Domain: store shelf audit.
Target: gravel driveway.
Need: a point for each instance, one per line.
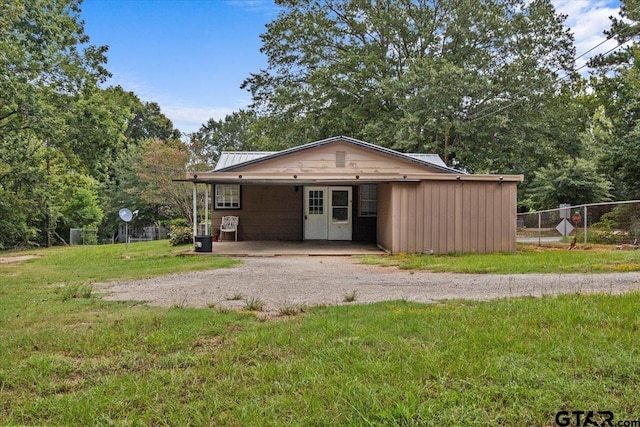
(287, 281)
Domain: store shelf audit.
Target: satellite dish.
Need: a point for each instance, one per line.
(125, 214)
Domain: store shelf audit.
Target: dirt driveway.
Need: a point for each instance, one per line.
(287, 281)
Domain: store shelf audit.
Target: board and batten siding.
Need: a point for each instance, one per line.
(447, 217)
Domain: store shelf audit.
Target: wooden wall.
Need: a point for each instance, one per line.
(267, 213)
(385, 215)
(322, 159)
(447, 216)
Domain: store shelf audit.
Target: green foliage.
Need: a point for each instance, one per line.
(475, 82)
(526, 260)
(618, 91)
(63, 139)
(625, 217)
(82, 264)
(180, 235)
(575, 182)
(76, 290)
(510, 362)
(237, 132)
(253, 304)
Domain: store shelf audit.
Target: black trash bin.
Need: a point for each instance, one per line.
(203, 244)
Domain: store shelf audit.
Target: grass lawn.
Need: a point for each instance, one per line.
(69, 358)
(528, 259)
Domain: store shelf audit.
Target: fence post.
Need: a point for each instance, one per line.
(585, 225)
(539, 228)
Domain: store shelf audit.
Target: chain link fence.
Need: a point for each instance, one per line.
(609, 223)
(83, 236)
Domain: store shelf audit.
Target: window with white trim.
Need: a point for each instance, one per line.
(227, 196)
(368, 200)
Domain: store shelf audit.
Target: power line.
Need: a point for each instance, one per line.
(480, 115)
(504, 107)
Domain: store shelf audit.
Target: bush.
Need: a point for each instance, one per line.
(180, 235)
(603, 236)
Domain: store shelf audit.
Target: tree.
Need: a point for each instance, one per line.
(475, 81)
(159, 164)
(47, 65)
(44, 58)
(576, 182)
(617, 84)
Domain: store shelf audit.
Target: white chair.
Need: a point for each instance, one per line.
(229, 225)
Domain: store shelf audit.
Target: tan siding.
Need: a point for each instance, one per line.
(511, 211)
(358, 160)
(452, 213)
(450, 217)
(458, 216)
(493, 216)
(440, 218)
(419, 220)
(412, 216)
(384, 221)
(483, 220)
(435, 218)
(396, 196)
(466, 217)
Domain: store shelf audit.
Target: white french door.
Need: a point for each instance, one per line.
(327, 213)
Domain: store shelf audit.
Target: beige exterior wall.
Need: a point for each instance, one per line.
(384, 229)
(447, 216)
(322, 159)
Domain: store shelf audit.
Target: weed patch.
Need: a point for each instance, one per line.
(350, 297)
(528, 259)
(253, 304)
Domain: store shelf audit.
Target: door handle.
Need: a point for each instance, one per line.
(305, 217)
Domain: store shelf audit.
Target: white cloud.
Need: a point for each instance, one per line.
(587, 20)
(265, 6)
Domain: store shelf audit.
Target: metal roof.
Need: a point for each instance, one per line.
(232, 158)
(428, 158)
(432, 160)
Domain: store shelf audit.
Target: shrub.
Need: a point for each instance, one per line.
(180, 235)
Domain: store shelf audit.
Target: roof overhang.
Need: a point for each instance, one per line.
(243, 159)
(306, 179)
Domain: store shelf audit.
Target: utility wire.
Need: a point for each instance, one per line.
(480, 115)
(504, 107)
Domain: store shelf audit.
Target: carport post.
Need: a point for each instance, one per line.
(206, 209)
(195, 213)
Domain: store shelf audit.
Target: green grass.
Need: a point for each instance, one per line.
(83, 361)
(528, 259)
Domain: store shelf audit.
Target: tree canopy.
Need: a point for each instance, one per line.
(473, 81)
(63, 136)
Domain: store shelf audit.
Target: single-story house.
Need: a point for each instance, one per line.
(345, 189)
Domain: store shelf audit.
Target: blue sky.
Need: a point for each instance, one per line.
(190, 56)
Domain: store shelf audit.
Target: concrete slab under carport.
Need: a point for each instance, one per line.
(293, 248)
